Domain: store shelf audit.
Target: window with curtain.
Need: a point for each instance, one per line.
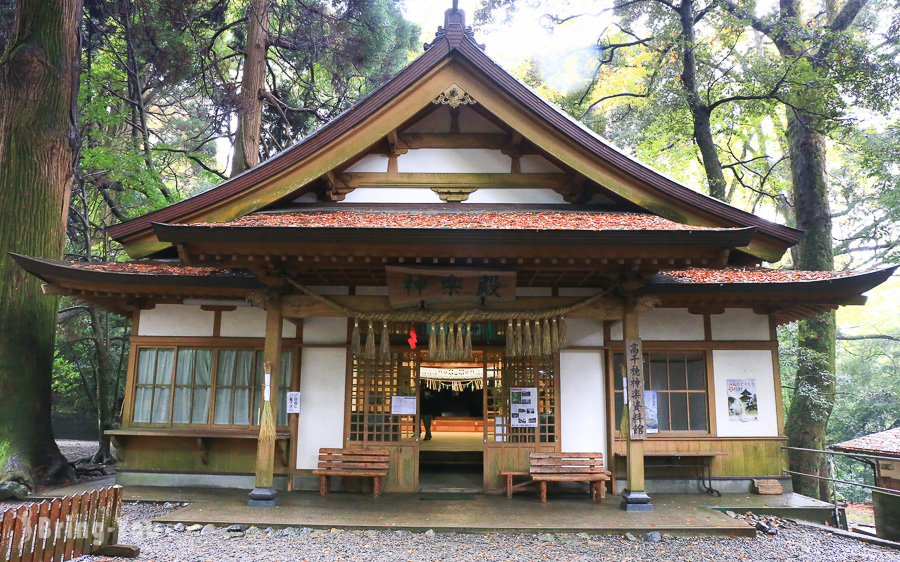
(205, 386)
(679, 380)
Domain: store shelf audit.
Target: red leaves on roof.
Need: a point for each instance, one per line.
(883, 442)
(152, 269)
(752, 275)
(522, 220)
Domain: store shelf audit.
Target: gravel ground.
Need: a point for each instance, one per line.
(74, 450)
(166, 542)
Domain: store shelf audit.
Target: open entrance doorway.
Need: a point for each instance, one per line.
(452, 412)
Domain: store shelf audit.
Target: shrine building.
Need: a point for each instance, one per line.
(457, 244)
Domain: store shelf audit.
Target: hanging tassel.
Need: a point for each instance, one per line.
(370, 342)
(554, 336)
(538, 337)
(546, 346)
(450, 350)
(460, 348)
(510, 340)
(432, 343)
(385, 343)
(442, 344)
(526, 339)
(467, 348)
(563, 333)
(355, 345)
(518, 350)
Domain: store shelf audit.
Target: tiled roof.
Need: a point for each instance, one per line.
(507, 220)
(751, 275)
(884, 442)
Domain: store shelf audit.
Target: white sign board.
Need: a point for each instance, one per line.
(403, 405)
(293, 402)
(523, 407)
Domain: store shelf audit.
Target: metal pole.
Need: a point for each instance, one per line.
(880, 489)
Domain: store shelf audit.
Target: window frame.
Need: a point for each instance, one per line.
(216, 346)
(648, 350)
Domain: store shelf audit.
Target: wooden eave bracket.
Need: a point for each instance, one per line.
(336, 187)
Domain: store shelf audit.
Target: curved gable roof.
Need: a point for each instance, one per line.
(501, 93)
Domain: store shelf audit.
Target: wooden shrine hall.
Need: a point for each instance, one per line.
(452, 249)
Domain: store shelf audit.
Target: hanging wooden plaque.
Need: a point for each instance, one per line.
(634, 363)
(411, 286)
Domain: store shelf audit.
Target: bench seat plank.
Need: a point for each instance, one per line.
(362, 463)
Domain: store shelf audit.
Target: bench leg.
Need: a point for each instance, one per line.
(543, 491)
(509, 485)
(377, 486)
(323, 485)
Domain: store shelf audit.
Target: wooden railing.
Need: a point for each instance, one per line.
(63, 528)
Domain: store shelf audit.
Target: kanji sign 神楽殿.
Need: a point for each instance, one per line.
(410, 286)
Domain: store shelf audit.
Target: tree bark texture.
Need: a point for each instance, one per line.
(39, 75)
(700, 112)
(249, 104)
(814, 388)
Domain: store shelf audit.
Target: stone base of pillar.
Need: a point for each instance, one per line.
(635, 501)
(263, 497)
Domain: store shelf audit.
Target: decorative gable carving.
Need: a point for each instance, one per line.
(454, 96)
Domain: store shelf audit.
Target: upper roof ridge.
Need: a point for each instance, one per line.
(454, 29)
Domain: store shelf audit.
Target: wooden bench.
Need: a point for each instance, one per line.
(371, 463)
(570, 467)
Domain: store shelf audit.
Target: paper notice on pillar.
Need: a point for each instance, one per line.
(523, 407)
(651, 409)
(293, 402)
(403, 405)
(742, 404)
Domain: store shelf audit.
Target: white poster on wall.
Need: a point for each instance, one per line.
(742, 401)
(523, 407)
(293, 402)
(403, 405)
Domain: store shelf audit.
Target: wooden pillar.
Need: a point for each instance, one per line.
(263, 494)
(635, 497)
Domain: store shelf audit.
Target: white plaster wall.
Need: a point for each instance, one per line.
(176, 320)
(392, 195)
(515, 196)
(537, 164)
(740, 324)
(454, 161)
(578, 291)
(584, 331)
(325, 330)
(250, 322)
(745, 364)
(671, 324)
(370, 163)
(582, 402)
(674, 324)
(321, 421)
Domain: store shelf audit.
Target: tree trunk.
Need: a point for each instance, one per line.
(249, 105)
(700, 112)
(813, 398)
(105, 378)
(39, 76)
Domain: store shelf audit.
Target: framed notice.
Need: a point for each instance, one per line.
(293, 402)
(742, 403)
(403, 405)
(523, 407)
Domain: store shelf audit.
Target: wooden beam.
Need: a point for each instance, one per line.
(489, 141)
(476, 181)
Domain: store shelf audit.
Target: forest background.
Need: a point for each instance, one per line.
(706, 92)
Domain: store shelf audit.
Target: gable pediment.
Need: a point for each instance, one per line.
(445, 126)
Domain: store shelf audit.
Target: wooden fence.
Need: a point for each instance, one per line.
(63, 528)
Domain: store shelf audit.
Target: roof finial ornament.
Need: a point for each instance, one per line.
(454, 28)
